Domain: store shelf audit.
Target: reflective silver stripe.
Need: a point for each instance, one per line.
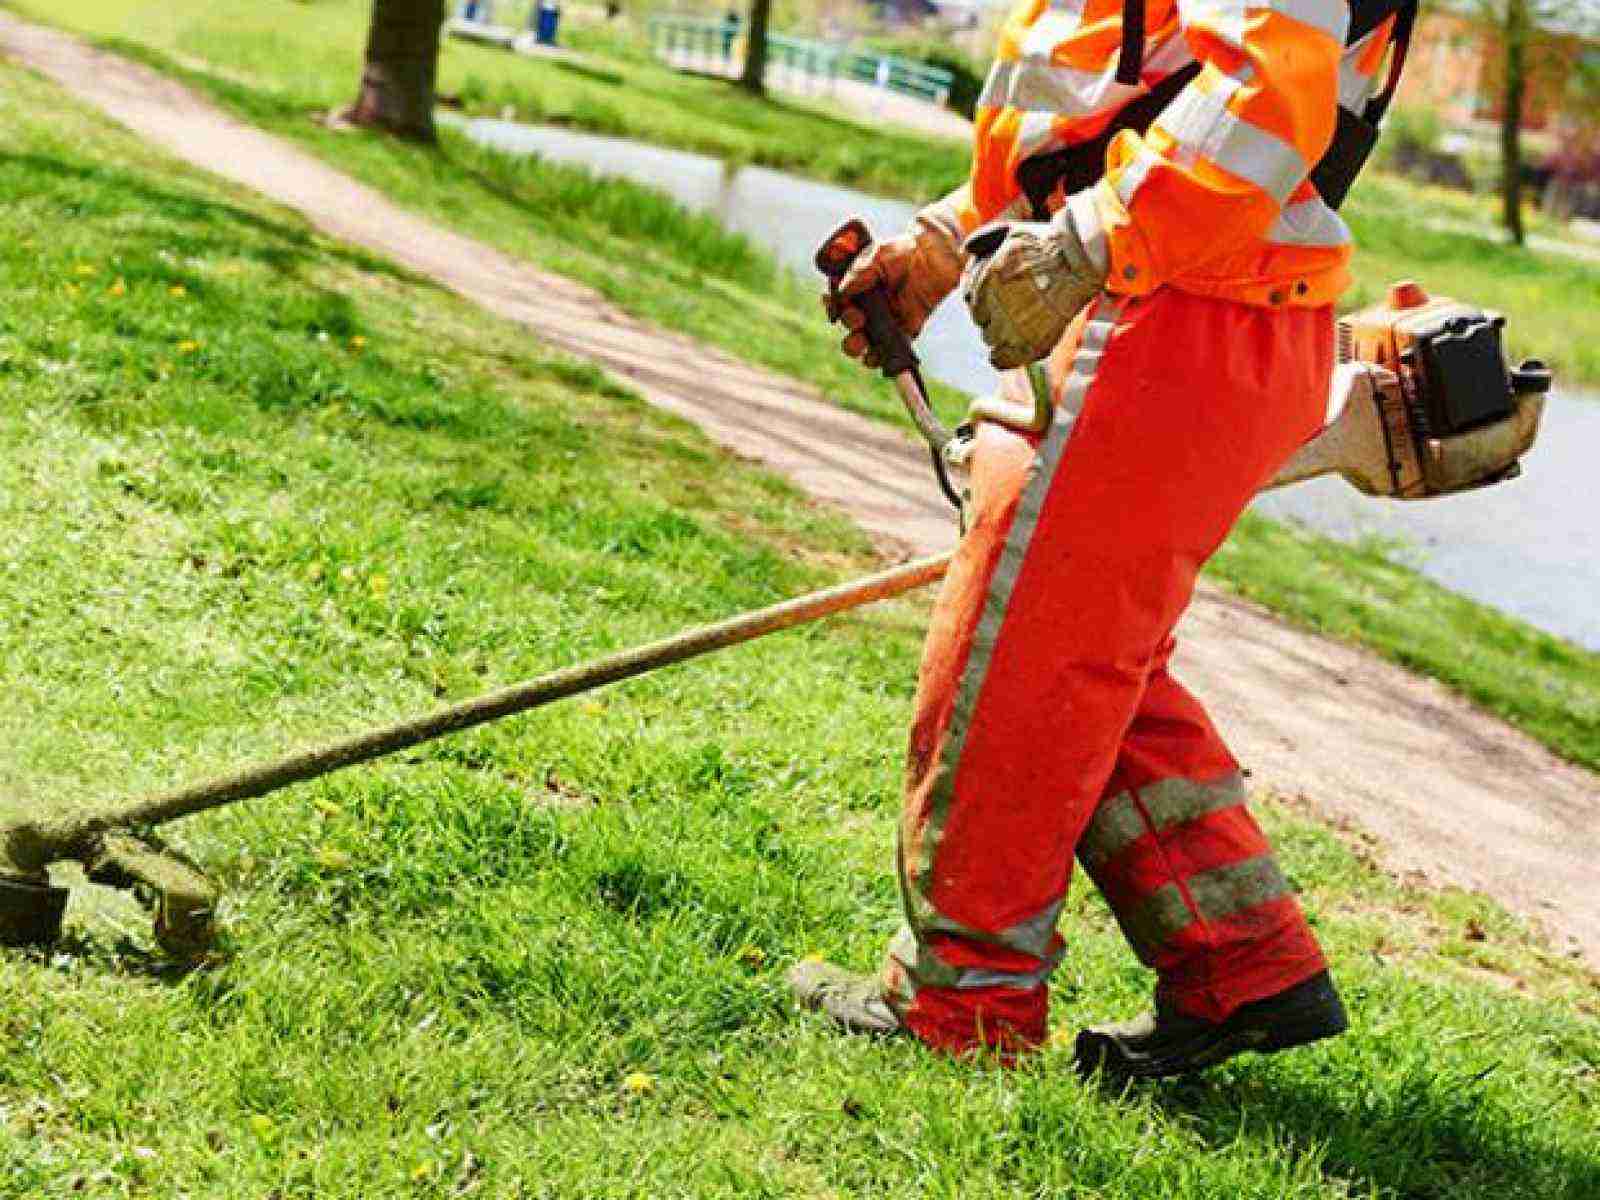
(1309, 223)
(923, 967)
(1041, 474)
(1252, 153)
(1197, 111)
(1132, 178)
(1225, 18)
(1356, 88)
(1128, 816)
(1033, 935)
(1217, 894)
(1229, 890)
(1091, 229)
(1230, 18)
(997, 87)
(1331, 17)
(1037, 132)
(1052, 27)
(1062, 91)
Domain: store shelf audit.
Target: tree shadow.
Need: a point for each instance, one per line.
(288, 244)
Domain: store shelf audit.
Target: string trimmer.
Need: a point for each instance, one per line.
(1425, 404)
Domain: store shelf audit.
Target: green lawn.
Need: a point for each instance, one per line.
(256, 487)
(683, 272)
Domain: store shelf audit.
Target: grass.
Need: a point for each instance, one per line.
(299, 57)
(255, 487)
(683, 272)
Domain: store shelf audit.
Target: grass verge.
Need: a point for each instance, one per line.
(683, 272)
(256, 487)
(302, 57)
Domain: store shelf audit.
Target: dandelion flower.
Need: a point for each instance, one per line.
(421, 1172)
(357, 342)
(70, 289)
(378, 585)
(638, 1083)
(83, 269)
(118, 288)
(177, 289)
(261, 1124)
(330, 859)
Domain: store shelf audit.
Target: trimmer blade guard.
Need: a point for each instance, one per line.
(183, 900)
(30, 913)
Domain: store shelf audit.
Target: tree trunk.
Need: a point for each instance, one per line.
(402, 61)
(1517, 27)
(755, 50)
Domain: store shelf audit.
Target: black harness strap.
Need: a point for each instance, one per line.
(1078, 166)
(1131, 61)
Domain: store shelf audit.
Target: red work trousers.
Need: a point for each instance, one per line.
(1047, 724)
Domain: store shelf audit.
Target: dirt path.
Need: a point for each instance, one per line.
(1448, 790)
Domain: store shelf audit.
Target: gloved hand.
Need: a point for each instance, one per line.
(917, 270)
(1024, 294)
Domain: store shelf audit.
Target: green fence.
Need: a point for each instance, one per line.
(716, 46)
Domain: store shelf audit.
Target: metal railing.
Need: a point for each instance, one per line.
(717, 46)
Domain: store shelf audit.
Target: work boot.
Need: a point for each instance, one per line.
(855, 1001)
(1166, 1042)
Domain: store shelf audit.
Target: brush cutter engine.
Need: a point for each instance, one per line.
(1422, 403)
(1453, 416)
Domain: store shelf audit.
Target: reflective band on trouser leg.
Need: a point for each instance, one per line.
(1080, 560)
(1186, 870)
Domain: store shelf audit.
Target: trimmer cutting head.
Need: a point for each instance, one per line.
(30, 911)
(181, 899)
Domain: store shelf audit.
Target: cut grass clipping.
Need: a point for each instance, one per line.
(256, 488)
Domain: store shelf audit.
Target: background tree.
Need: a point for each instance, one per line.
(402, 63)
(755, 49)
(1534, 41)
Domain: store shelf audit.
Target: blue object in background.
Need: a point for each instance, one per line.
(546, 19)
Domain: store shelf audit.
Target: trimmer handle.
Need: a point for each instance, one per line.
(838, 251)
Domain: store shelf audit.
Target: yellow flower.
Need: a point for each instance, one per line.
(332, 860)
(261, 1124)
(83, 269)
(119, 288)
(751, 956)
(421, 1171)
(177, 289)
(70, 289)
(358, 342)
(378, 585)
(637, 1083)
(187, 346)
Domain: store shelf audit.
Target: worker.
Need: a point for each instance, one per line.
(1168, 255)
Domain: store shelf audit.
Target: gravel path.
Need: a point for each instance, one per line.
(1446, 789)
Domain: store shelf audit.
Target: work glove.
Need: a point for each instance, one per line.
(917, 270)
(1025, 293)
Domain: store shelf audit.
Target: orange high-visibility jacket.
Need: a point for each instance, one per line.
(1212, 198)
